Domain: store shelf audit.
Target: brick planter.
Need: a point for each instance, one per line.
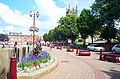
(38, 73)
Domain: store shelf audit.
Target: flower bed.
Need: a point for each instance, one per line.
(32, 62)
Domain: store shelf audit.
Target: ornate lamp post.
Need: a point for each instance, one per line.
(34, 28)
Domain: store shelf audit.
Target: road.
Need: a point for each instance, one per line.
(78, 67)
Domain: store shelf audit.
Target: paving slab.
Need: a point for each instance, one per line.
(71, 66)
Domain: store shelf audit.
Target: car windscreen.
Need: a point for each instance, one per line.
(118, 46)
(97, 46)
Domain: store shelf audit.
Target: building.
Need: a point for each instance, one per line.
(21, 39)
(71, 11)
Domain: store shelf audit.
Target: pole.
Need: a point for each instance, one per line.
(33, 38)
(100, 54)
(34, 19)
(34, 15)
(33, 26)
(76, 50)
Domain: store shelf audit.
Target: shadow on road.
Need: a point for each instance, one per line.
(114, 74)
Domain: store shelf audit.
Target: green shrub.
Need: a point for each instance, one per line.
(21, 65)
(36, 62)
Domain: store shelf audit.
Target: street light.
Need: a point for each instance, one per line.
(34, 28)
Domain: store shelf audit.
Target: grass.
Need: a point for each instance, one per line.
(81, 43)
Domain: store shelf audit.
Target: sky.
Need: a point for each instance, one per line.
(14, 14)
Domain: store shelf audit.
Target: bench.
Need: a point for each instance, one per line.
(70, 49)
(84, 53)
(111, 57)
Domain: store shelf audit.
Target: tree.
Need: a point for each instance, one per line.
(57, 34)
(108, 11)
(108, 33)
(4, 37)
(45, 37)
(93, 23)
(82, 25)
(69, 24)
(118, 35)
(51, 36)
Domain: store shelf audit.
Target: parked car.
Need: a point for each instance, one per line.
(58, 47)
(116, 48)
(73, 46)
(95, 47)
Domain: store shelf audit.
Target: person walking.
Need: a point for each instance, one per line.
(3, 45)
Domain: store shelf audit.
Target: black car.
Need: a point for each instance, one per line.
(73, 46)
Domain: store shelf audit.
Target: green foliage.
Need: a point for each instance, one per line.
(68, 27)
(44, 60)
(108, 11)
(36, 62)
(81, 43)
(49, 58)
(21, 65)
(45, 37)
(51, 35)
(25, 64)
(108, 33)
(65, 30)
(82, 24)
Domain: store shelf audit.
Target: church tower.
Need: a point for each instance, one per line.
(71, 11)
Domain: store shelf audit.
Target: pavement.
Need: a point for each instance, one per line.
(71, 66)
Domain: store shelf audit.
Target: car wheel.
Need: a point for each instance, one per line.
(88, 49)
(95, 50)
(114, 51)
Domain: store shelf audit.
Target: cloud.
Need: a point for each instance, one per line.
(15, 20)
(49, 10)
(13, 17)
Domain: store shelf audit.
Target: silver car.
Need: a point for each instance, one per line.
(95, 47)
(116, 48)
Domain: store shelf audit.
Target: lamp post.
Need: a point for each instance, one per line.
(34, 28)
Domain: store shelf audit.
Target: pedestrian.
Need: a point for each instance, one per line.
(50, 46)
(3, 45)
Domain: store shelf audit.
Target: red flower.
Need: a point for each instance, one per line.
(35, 65)
(41, 62)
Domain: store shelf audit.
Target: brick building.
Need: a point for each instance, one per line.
(20, 38)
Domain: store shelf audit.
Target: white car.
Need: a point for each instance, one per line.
(116, 48)
(95, 47)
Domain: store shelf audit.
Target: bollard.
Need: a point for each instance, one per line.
(76, 50)
(60, 47)
(28, 49)
(48, 45)
(72, 49)
(13, 70)
(23, 51)
(15, 50)
(17, 56)
(100, 54)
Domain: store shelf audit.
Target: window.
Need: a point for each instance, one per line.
(12, 38)
(19, 38)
